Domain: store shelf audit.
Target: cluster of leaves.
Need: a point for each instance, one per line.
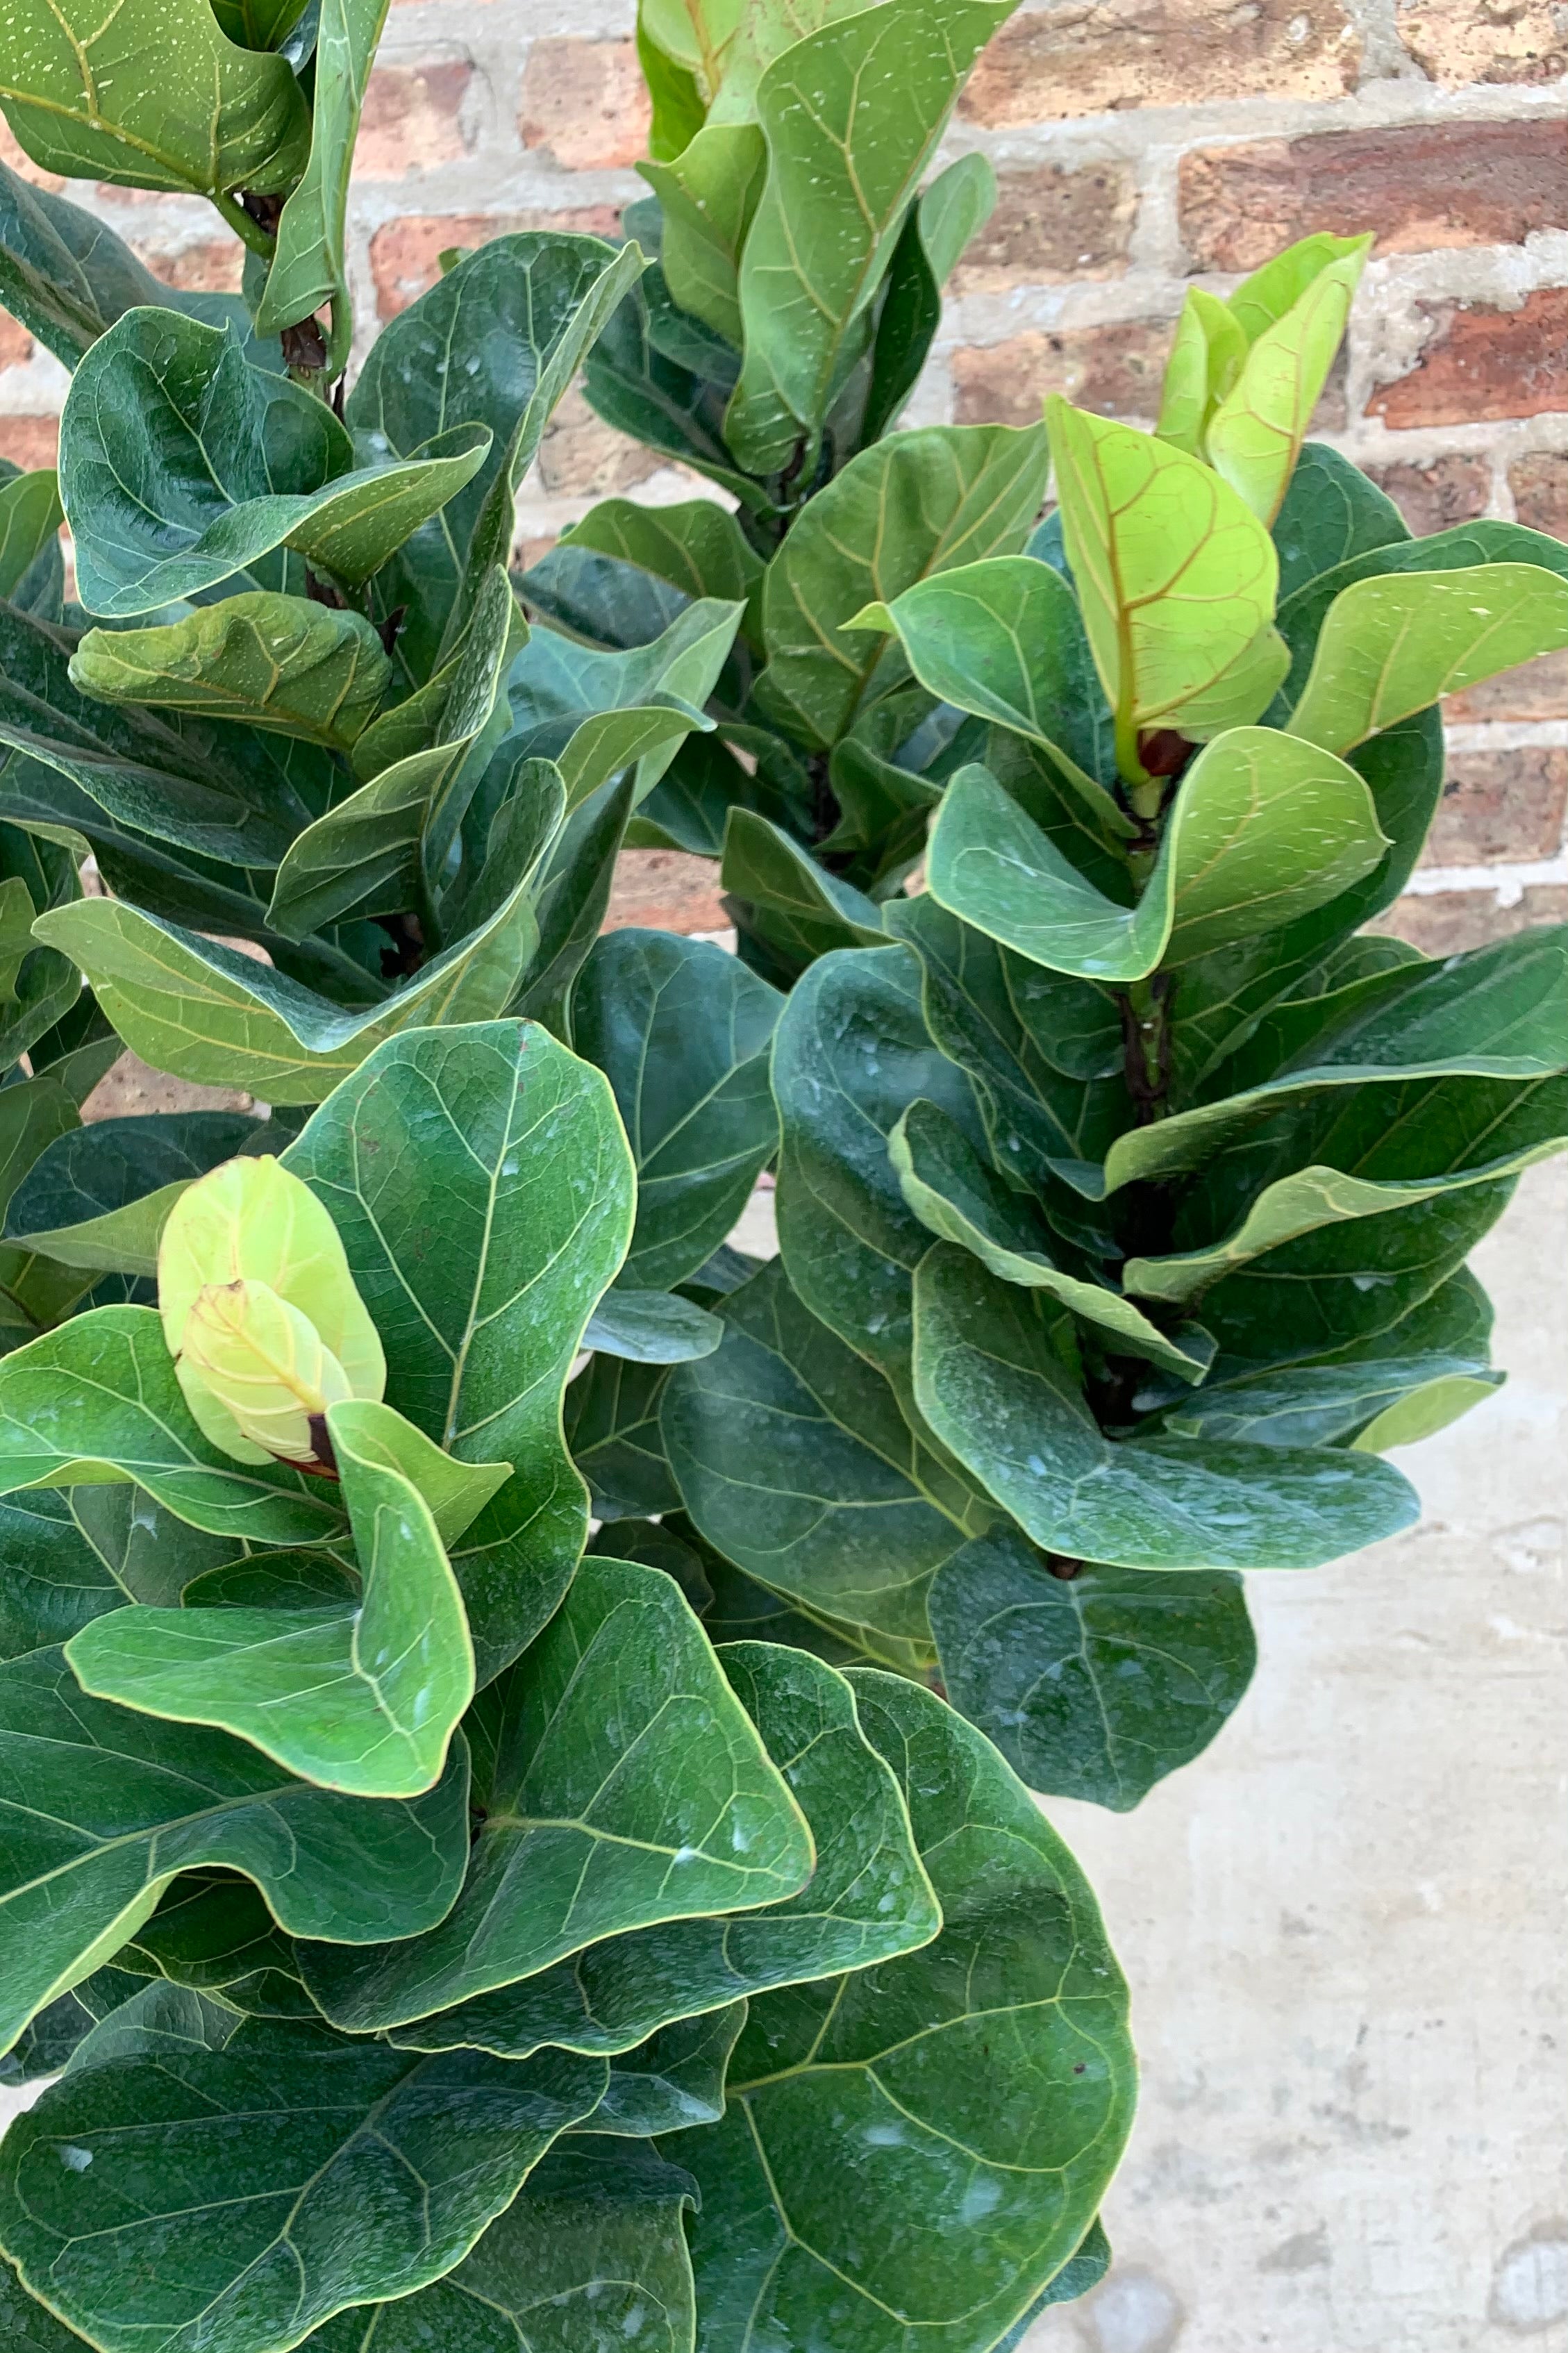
(456, 1926)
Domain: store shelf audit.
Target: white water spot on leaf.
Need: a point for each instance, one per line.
(75, 2160)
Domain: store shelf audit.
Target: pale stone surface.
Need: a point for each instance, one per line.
(1343, 1924)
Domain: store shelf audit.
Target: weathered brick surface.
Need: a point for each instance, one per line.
(405, 255)
(1483, 363)
(29, 441)
(215, 266)
(1115, 370)
(1423, 185)
(1497, 806)
(580, 457)
(1443, 491)
(667, 890)
(1537, 690)
(130, 1090)
(15, 343)
(1051, 224)
(1460, 41)
(413, 119)
(1445, 922)
(584, 102)
(1094, 57)
(1540, 487)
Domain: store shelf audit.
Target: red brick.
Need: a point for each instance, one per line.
(1483, 365)
(1460, 41)
(1094, 57)
(1427, 184)
(1540, 487)
(1448, 921)
(1497, 806)
(411, 119)
(1539, 689)
(667, 890)
(29, 441)
(1116, 371)
(1049, 225)
(213, 267)
(15, 343)
(584, 102)
(405, 255)
(1443, 491)
(580, 457)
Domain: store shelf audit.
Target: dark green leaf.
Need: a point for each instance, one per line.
(651, 1327)
(310, 263)
(1331, 513)
(611, 1413)
(674, 2080)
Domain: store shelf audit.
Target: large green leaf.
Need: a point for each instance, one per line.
(273, 2182)
(866, 1901)
(798, 908)
(957, 1197)
(993, 1388)
(52, 1581)
(794, 1460)
(182, 467)
(99, 1196)
(1176, 577)
(950, 209)
(1331, 513)
(681, 1030)
(1097, 1683)
(590, 2254)
(619, 577)
(494, 342)
(150, 98)
(708, 198)
(913, 506)
(310, 262)
(1390, 645)
(190, 1005)
(913, 2154)
(843, 168)
(628, 1787)
(1351, 1154)
(110, 1804)
(611, 1418)
(99, 1399)
(674, 2080)
(277, 662)
(364, 1698)
(1255, 435)
(1263, 831)
(481, 1182)
(1498, 1012)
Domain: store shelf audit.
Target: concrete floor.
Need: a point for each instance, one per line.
(1344, 1926)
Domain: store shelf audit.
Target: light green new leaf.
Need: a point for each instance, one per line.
(150, 98)
(272, 2183)
(1208, 350)
(1390, 645)
(919, 504)
(913, 2154)
(959, 1200)
(276, 662)
(866, 1901)
(990, 1385)
(362, 1698)
(709, 195)
(310, 264)
(794, 1461)
(182, 466)
(628, 1787)
(844, 165)
(97, 1400)
(1255, 435)
(1096, 1684)
(30, 518)
(111, 1806)
(681, 1030)
(480, 1180)
(187, 1004)
(1257, 835)
(1176, 577)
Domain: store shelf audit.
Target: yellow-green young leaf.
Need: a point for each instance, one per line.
(678, 103)
(1255, 436)
(1176, 577)
(1206, 356)
(279, 662)
(30, 515)
(255, 1375)
(148, 95)
(309, 266)
(709, 195)
(253, 1222)
(1262, 300)
(1393, 644)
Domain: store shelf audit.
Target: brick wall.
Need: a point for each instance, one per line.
(1139, 143)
